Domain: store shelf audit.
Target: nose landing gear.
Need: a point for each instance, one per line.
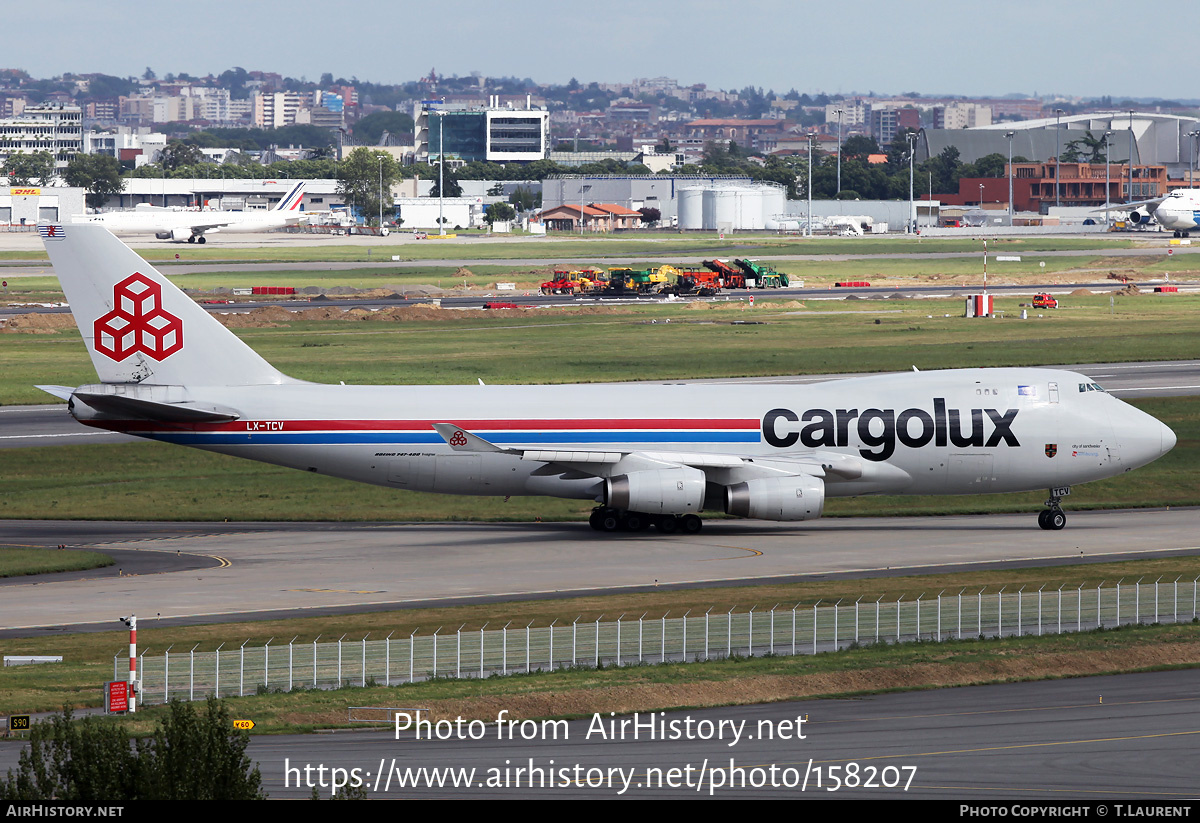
(1052, 518)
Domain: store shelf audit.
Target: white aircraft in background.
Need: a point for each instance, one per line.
(170, 224)
(648, 454)
(1179, 211)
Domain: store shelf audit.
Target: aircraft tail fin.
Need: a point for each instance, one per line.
(137, 325)
(291, 201)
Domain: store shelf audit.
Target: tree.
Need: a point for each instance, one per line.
(525, 199)
(370, 129)
(33, 169)
(362, 175)
(1089, 145)
(859, 147)
(194, 757)
(499, 211)
(100, 174)
(177, 154)
(650, 214)
(453, 189)
(190, 757)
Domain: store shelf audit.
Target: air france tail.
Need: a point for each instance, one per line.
(137, 325)
(291, 200)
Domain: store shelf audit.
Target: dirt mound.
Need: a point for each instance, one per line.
(38, 323)
(1130, 290)
(1082, 293)
(245, 320)
(463, 271)
(783, 304)
(696, 305)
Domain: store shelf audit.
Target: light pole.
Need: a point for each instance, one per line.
(441, 172)
(981, 197)
(1058, 113)
(808, 229)
(1107, 184)
(381, 195)
(1010, 135)
(1192, 159)
(912, 201)
(839, 170)
(1129, 193)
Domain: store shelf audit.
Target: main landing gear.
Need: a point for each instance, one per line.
(605, 519)
(1052, 518)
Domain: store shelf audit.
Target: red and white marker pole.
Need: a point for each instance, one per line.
(132, 623)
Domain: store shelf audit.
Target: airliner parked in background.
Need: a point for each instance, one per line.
(169, 224)
(647, 454)
(1179, 211)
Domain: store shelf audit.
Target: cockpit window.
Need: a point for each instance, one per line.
(1090, 387)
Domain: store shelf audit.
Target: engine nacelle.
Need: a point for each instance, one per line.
(1138, 219)
(661, 491)
(177, 234)
(798, 497)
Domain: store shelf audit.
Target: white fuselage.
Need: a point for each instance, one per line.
(963, 431)
(160, 222)
(1179, 211)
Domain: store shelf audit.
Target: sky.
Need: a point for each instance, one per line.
(934, 47)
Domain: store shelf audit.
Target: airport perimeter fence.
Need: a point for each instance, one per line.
(193, 675)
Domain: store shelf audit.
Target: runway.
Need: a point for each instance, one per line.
(1122, 739)
(1074, 743)
(287, 569)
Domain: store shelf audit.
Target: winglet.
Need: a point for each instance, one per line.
(462, 440)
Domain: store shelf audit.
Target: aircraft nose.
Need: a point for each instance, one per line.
(1142, 437)
(1168, 438)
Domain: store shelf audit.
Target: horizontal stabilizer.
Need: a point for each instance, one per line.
(462, 440)
(61, 392)
(153, 410)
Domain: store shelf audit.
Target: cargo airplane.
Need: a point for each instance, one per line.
(191, 226)
(646, 454)
(1178, 212)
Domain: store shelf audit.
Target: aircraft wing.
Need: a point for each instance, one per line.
(1156, 202)
(210, 225)
(608, 462)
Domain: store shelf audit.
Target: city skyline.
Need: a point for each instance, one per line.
(1024, 48)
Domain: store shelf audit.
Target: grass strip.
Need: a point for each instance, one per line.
(16, 561)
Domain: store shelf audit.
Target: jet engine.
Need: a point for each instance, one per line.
(177, 234)
(797, 497)
(661, 491)
(1138, 219)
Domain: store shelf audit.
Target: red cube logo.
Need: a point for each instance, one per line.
(138, 323)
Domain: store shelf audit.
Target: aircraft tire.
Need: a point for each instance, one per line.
(635, 521)
(1044, 519)
(201, 240)
(691, 524)
(609, 521)
(667, 524)
(1057, 520)
(596, 521)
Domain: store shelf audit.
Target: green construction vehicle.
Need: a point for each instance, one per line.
(765, 277)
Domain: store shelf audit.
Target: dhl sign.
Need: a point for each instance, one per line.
(19, 192)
